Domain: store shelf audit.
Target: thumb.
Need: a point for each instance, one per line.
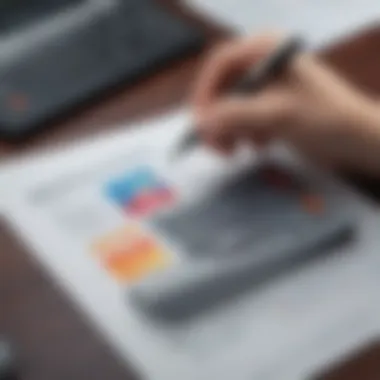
(241, 118)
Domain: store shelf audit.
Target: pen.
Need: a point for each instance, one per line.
(256, 78)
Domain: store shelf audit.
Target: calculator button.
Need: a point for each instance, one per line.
(18, 102)
(313, 204)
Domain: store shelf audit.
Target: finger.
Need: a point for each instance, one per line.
(261, 138)
(229, 61)
(224, 145)
(248, 117)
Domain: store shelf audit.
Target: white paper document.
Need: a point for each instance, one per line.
(319, 21)
(78, 211)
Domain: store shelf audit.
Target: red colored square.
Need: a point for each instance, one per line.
(149, 202)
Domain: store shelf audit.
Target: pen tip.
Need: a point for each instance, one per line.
(184, 146)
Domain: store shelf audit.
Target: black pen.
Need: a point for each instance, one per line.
(259, 76)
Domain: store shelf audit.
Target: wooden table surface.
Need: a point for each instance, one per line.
(53, 340)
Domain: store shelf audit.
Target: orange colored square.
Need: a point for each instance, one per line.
(129, 254)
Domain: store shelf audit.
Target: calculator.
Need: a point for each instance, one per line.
(260, 224)
(118, 45)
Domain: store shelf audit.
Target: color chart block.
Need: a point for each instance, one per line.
(129, 254)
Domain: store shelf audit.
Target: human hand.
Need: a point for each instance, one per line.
(310, 106)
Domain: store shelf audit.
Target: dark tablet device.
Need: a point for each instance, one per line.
(118, 46)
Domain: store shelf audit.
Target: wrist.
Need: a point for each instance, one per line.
(363, 122)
